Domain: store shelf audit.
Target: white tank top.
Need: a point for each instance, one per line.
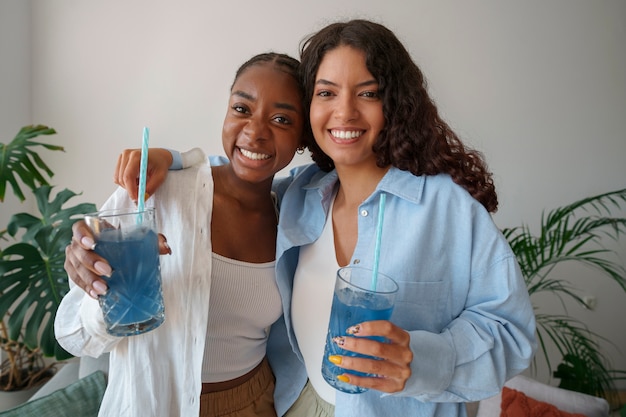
(312, 299)
(244, 302)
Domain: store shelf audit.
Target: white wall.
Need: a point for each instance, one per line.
(15, 84)
(539, 86)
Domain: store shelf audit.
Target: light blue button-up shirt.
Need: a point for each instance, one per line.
(462, 297)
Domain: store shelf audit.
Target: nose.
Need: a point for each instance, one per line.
(346, 109)
(256, 129)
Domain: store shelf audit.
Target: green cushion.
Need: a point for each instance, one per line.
(82, 398)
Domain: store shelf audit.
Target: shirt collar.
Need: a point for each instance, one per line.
(400, 183)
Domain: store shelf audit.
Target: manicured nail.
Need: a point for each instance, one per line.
(88, 242)
(343, 378)
(99, 288)
(353, 329)
(336, 359)
(93, 294)
(339, 340)
(102, 268)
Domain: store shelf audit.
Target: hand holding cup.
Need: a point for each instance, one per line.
(127, 238)
(361, 295)
(392, 368)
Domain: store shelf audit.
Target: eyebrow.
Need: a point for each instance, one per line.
(279, 105)
(323, 81)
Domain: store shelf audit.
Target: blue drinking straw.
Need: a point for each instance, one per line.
(379, 232)
(142, 173)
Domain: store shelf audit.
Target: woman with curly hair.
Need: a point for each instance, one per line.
(414, 137)
(463, 323)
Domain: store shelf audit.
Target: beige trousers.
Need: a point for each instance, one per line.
(253, 398)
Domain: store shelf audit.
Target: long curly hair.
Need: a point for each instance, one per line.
(414, 138)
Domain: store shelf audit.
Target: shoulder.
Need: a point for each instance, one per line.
(305, 177)
(426, 190)
(185, 183)
(442, 188)
(305, 172)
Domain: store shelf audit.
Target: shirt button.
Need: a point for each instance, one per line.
(356, 261)
(364, 213)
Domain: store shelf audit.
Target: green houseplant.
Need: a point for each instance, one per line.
(32, 254)
(575, 233)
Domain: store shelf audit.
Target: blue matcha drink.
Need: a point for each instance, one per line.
(134, 303)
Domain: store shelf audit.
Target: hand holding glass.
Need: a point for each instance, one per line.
(128, 240)
(357, 298)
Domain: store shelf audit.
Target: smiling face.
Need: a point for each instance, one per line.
(346, 110)
(263, 125)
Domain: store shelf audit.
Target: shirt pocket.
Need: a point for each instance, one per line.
(422, 305)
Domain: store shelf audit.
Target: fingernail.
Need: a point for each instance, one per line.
(93, 294)
(102, 268)
(88, 242)
(353, 329)
(343, 378)
(336, 359)
(339, 340)
(99, 287)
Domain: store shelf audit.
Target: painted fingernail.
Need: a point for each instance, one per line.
(353, 329)
(336, 359)
(339, 340)
(93, 294)
(99, 287)
(88, 242)
(102, 268)
(343, 378)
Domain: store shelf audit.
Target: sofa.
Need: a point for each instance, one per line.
(525, 397)
(75, 390)
(79, 385)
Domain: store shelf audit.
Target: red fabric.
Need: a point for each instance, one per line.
(517, 404)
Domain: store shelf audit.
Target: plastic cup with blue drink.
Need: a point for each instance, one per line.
(128, 240)
(357, 298)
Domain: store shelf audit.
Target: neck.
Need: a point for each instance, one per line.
(248, 194)
(355, 185)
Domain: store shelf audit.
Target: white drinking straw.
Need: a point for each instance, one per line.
(379, 232)
(142, 172)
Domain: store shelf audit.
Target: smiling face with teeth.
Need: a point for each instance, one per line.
(346, 109)
(263, 125)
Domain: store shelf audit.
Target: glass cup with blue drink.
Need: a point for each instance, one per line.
(128, 240)
(359, 296)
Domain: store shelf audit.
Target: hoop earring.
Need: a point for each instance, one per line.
(300, 150)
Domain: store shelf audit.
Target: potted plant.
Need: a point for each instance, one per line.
(32, 254)
(574, 233)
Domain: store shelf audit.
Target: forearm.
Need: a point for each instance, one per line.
(492, 340)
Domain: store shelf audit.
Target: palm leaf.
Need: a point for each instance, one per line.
(18, 160)
(33, 280)
(574, 233)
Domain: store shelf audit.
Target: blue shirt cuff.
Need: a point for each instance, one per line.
(177, 160)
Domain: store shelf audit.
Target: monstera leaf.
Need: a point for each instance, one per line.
(32, 278)
(18, 160)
